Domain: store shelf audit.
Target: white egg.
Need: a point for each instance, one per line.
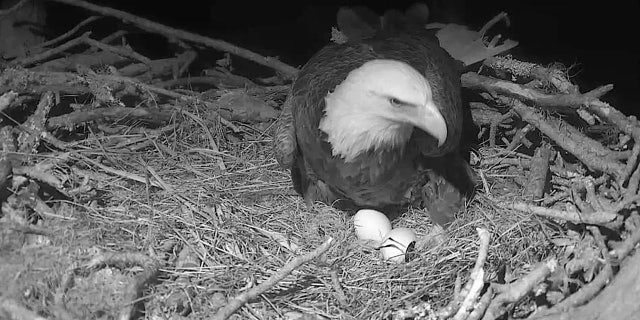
(396, 243)
(371, 224)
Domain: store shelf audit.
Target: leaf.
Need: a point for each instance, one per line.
(469, 46)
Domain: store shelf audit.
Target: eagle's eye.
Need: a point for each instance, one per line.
(396, 102)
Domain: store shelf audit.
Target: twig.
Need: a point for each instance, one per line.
(580, 297)
(558, 102)
(71, 62)
(561, 195)
(157, 68)
(589, 151)
(603, 218)
(483, 250)
(28, 81)
(150, 115)
(454, 305)
(171, 94)
(237, 302)
(108, 39)
(172, 33)
(493, 21)
(554, 76)
(515, 291)
(29, 140)
(51, 52)
(631, 163)
(477, 276)
(605, 111)
(518, 137)
(457, 286)
(584, 294)
(463, 302)
(124, 174)
(337, 286)
(493, 128)
(634, 181)
(538, 173)
(69, 33)
(482, 305)
(212, 141)
(217, 80)
(118, 50)
(72, 83)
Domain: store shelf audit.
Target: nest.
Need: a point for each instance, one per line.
(130, 191)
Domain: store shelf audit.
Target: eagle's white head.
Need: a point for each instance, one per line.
(377, 106)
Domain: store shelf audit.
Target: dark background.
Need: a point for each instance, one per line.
(600, 39)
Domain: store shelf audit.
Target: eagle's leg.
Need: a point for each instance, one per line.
(448, 183)
(441, 198)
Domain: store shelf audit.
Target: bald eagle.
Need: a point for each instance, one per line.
(376, 121)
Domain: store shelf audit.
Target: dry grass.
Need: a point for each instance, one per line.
(223, 221)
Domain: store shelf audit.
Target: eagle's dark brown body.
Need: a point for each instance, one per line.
(376, 178)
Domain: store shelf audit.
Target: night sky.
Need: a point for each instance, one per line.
(598, 37)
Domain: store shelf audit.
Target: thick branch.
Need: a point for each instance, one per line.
(554, 76)
(626, 124)
(589, 151)
(538, 173)
(473, 80)
(169, 32)
(619, 300)
(598, 218)
(515, 291)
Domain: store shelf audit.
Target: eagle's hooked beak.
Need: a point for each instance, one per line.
(428, 118)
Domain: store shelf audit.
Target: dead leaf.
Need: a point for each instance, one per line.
(469, 46)
(239, 106)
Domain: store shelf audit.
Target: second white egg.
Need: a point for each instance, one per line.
(397, 244)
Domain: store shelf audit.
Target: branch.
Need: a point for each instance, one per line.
(126, 52)
(602, 218)
(538, 173)
(69, 33)
(554, 76)
(172, 33)
(51, 52)
(514, 292)
(589, 151)
(237, 302)
(150, 115)
(494, 86)
(477, 277)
